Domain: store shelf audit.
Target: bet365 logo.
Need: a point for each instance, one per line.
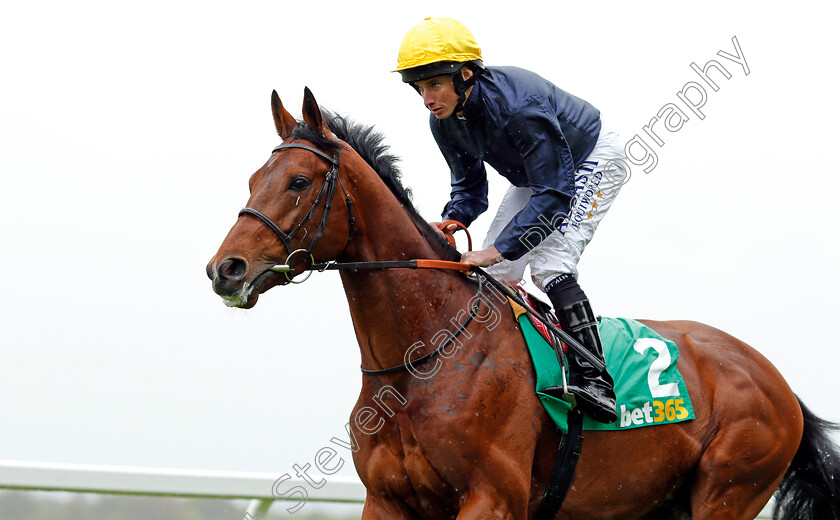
(666, 404)
(653, 412)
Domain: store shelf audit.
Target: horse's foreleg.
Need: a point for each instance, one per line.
(489, 503)
(377, 508)
(484, 506)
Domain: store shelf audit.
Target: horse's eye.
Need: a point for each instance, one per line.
(299, 184)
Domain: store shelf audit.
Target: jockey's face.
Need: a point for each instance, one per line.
(439, 93)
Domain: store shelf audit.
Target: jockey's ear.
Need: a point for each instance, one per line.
(312, 115)
(283, 120)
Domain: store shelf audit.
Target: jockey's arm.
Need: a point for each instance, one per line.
(468, 177)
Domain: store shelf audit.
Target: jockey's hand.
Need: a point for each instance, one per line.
(451, 228)
(483, 258)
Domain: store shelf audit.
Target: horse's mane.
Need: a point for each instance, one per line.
(368, 144)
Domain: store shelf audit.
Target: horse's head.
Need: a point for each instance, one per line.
(292, 209)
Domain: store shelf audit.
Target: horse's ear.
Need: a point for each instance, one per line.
(312, 114)
(283, 120)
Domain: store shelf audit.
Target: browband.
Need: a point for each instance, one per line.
(316, 151)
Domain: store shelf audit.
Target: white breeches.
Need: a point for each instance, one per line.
(597, 182)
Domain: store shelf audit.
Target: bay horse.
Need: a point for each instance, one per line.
(464, 436)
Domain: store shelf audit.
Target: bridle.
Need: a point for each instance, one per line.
(327, 192)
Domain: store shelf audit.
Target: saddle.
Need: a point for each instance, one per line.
(541, 308)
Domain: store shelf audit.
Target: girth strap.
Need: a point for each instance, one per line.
(565, 463)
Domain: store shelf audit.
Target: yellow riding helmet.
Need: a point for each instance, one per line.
(434, 47)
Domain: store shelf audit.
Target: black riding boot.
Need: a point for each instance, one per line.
(592, 388)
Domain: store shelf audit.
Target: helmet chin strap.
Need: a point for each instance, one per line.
(461, 87)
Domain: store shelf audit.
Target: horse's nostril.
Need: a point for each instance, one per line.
(233, 269)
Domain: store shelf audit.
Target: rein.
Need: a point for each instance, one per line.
(328, 188)
(332, 265)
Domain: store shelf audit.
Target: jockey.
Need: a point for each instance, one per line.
(559, 158)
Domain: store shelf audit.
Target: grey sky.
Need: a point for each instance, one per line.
(128, 133)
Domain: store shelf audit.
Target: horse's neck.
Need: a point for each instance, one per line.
(394, 308)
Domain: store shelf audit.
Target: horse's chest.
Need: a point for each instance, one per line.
(406, 459)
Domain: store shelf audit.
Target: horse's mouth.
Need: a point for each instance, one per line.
(247, 295)
(241, 298)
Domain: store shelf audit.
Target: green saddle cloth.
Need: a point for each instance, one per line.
(649, 388)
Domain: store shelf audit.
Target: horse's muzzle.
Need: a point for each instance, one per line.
(230, 281)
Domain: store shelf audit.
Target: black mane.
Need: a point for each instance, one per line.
(368, 144)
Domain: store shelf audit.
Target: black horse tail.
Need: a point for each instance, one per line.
(810, 489)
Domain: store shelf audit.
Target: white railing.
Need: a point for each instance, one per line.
(83, 478)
